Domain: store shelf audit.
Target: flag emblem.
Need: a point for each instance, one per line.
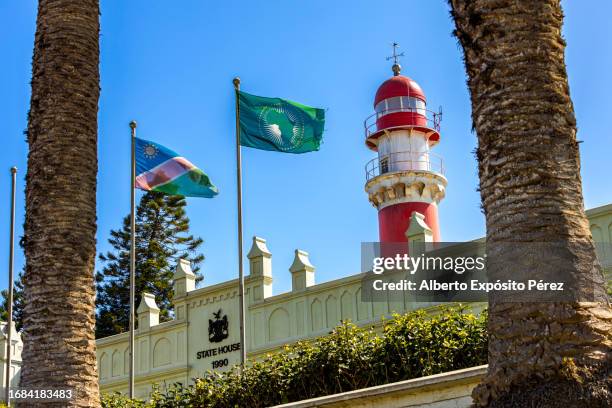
(150, 151)
(284, 134)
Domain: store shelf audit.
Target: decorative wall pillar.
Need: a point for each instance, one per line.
(419, 235)
(302, 271)
(148, 312)
(184, 278)
(260, 270)
(184, 282)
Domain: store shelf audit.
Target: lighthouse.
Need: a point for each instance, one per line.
(406, 177)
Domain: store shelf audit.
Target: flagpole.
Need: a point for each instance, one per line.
(240, 268)
(9, 324)
(132, 255)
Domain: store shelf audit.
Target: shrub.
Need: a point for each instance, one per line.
(117, 400)
(411, 345)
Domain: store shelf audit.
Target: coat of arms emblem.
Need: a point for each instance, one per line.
(217, 329)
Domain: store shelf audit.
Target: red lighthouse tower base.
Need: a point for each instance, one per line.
(394, 220)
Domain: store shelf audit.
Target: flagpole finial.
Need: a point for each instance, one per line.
(236, 82)
(14, 170)
(133, 124)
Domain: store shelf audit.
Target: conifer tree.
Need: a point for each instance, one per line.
(162, 238)
(17, 303)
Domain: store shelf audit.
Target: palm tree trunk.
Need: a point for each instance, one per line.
(531, 191)
(60, 226)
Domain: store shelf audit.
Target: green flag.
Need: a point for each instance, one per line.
(279, 125)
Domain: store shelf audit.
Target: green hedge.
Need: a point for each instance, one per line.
(411, 345)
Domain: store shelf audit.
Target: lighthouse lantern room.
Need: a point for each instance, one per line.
(406, 176)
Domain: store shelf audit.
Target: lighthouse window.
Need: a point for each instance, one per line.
(400, 104)
(420, 106)
(380, 108)
(394, 104)
(413, 104)
(384, 165)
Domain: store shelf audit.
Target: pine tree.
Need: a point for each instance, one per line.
(17, 303)
(162, 238)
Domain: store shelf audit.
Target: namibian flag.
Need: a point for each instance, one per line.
(160, 169)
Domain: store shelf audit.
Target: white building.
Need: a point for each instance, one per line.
(16, 348)
(204, 335)
(198, 339)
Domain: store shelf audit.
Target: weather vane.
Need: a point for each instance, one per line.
(395, 57)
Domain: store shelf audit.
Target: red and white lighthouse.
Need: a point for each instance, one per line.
(406, 176)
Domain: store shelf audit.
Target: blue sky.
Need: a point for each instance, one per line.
(170, 67)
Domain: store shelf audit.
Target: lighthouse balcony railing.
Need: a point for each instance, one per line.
(430, 118)
(404, 161)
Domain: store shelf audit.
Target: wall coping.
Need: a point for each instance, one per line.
(597, 211)
(140, 333)
(438, 380)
